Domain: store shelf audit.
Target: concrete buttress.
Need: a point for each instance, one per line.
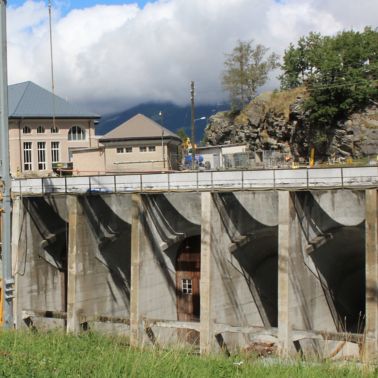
(206, 337)
(371, 253)
(286, 215)
(75, 218)
(135, 320)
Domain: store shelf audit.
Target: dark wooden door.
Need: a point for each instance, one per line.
(188, 270)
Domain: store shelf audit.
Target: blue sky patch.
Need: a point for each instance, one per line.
(79, 4)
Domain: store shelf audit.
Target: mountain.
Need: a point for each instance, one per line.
(173, 117)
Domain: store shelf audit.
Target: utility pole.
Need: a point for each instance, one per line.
(5, 176)
(162, 136)
(192, 122)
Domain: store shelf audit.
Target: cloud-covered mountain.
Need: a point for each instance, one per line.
(110, 57)
(173, 117)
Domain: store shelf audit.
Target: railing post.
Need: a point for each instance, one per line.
(115, 183)
(342, 177)
(242, 180)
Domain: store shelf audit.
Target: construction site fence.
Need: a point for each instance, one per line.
(274, 159)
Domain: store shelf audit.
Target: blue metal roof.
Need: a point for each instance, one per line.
(29, 100)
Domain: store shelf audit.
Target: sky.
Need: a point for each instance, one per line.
(110, 55)
(67, 5)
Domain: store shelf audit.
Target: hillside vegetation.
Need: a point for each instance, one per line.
(328, 102)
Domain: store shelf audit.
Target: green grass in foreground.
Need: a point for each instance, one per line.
(53, 354)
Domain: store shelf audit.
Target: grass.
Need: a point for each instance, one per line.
(54, 354)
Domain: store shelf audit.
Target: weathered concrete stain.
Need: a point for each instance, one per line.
(292, 260)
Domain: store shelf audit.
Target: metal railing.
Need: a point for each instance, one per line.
(358, 177)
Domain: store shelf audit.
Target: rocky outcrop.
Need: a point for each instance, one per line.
(277, 122)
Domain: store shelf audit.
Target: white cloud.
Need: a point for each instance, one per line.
(113, 57)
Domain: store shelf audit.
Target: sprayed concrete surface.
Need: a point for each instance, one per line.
(324, 271)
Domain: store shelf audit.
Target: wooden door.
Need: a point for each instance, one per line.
(188, 270)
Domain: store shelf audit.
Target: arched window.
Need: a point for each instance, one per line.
(40, 130)
(26, 130)
(76, 133)
(54, 130)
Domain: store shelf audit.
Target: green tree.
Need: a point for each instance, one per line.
(339, 72)
(247, 69)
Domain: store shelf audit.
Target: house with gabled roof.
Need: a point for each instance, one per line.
(139, 144)
(45, 129)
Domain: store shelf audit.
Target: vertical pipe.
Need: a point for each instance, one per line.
(5, 175)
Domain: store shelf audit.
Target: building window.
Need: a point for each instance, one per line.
(28, 166)
(186, 286)
(142, 149)
(40, 130)
(54, 130)
(122, 150)
(54, 152)
(151, 148)
(76, 133)
(26, 130)
(41, 151)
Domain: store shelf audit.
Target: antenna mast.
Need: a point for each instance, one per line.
(52, 63)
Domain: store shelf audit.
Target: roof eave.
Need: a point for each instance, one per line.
(165, 137)
(51, 117)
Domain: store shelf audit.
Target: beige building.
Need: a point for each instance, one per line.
(45, 130)
(217, 157)
(139, 144)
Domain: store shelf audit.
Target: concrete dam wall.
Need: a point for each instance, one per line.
(225, 269)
